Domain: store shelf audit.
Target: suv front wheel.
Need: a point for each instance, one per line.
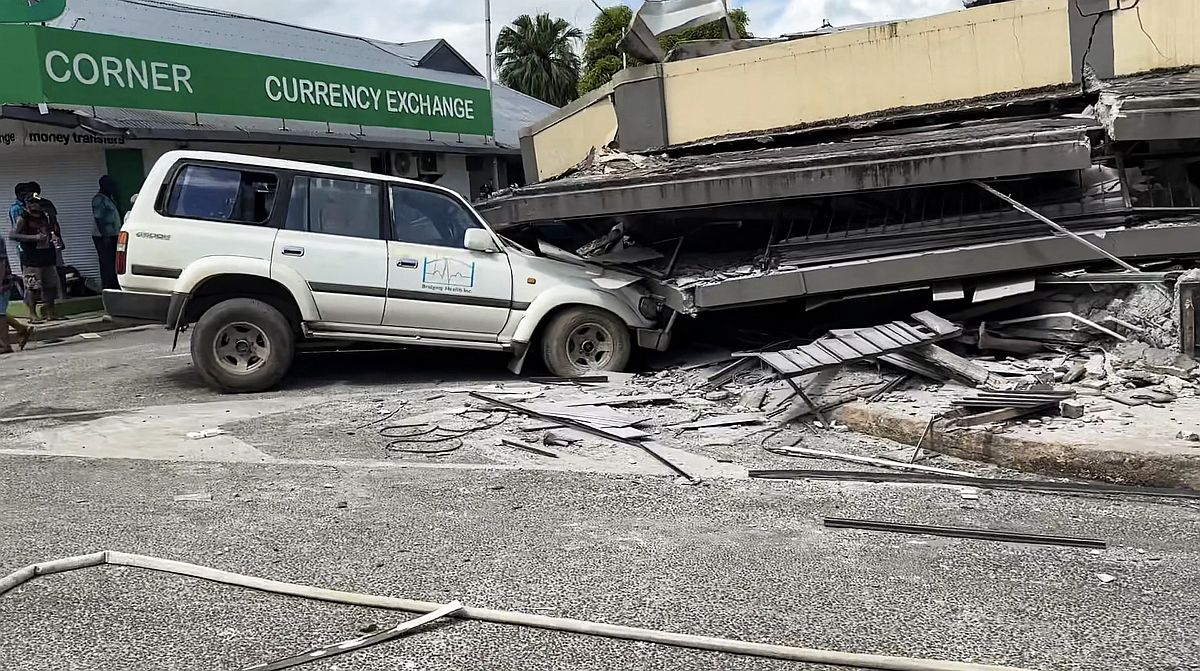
(243, 346)
(585, 341)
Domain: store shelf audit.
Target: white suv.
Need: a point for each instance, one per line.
(258, 254)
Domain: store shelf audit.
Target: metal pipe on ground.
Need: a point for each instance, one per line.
(1088, 488)
(963, 532)
(690, 641)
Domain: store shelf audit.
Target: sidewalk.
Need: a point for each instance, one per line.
(83, 315)
(88, 322)
(1111, 443)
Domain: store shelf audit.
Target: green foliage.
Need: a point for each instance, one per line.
(536, 56)
(711, 31)
(602, 54)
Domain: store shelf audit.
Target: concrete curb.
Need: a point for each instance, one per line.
(1106, 463)
(74, 327)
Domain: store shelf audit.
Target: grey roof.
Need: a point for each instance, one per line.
(216, 29)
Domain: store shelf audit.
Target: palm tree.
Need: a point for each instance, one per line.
(536, 56)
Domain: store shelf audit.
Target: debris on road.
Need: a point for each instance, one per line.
(207, 433)
(511, 442)
(194, 498)
(585, 427)
(962, 532)
(356, 644)
(1093, 488)
(1105, 578)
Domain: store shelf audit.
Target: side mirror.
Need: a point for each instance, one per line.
(480, 240)
(133, 199)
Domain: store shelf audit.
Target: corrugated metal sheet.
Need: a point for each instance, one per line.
(69, 179)
(167, 21)
(150, 124)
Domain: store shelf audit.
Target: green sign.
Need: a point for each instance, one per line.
(69, 67)
(31, 11)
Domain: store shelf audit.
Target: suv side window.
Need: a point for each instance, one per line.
(425, 217)
(222, 194)
(335, 207)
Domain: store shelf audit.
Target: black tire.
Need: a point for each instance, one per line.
(231, 323)
(561, 338)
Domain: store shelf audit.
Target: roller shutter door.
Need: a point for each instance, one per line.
(69, 178)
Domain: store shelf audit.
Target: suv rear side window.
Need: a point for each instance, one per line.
(427, 218)
(223, 194)
(335, 207)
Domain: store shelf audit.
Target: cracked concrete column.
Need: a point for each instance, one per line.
(1092, 45)
(641, 108)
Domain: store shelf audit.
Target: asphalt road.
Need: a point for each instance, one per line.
(299, 493)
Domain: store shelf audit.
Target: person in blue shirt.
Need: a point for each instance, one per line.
(107, 217)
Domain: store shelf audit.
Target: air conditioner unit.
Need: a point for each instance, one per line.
(431, 164)
(404, 164)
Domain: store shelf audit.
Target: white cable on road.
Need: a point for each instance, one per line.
(787, 653)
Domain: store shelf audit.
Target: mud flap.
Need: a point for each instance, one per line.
(517, 363)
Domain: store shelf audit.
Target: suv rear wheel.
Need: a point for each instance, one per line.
(585, 341)
(242, 346)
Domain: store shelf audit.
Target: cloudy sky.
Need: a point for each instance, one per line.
(461, 21)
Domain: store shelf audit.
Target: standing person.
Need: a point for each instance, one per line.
(57, 239)
(108, 225)
(39, 254)
(5, 321)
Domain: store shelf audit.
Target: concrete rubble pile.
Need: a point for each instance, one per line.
(1076, 356)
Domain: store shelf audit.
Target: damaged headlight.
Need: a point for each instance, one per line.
(650, 307)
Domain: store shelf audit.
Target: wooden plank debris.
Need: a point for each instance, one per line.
(957, 366)
(1002, 415)
(907, 363)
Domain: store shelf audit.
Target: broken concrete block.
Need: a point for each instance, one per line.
(1072, 409)
(1142, 378)
(1095, 384)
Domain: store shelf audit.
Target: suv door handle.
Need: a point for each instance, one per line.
(293, 251)
(410, 264)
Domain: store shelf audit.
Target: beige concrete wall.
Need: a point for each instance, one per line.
(999, 48)
(562, 144)
(1157, 34)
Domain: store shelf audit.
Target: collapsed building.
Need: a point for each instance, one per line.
(959, 155)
